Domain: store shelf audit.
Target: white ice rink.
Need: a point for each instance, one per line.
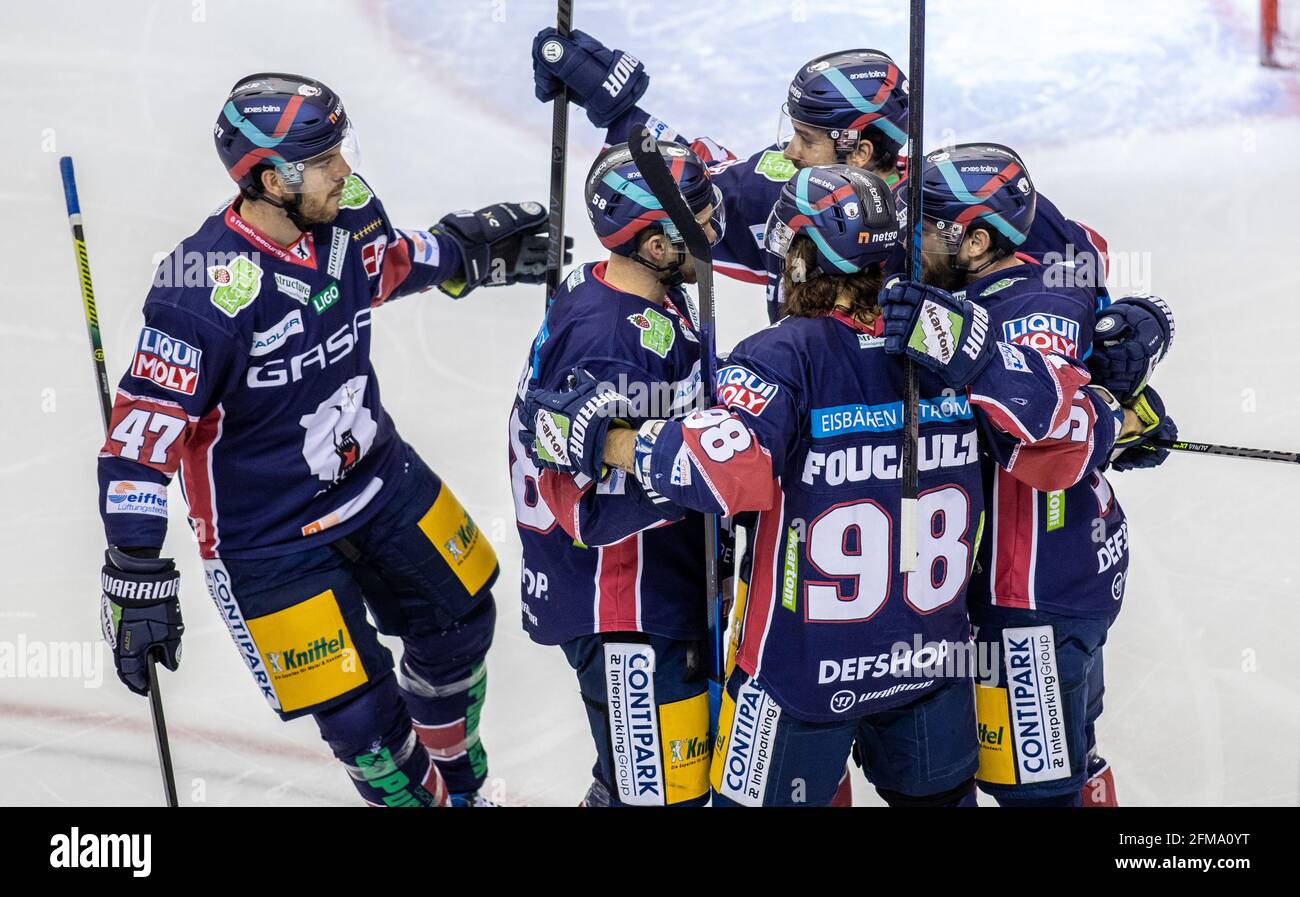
(1203, 704)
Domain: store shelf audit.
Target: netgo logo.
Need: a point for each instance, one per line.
(171, 363)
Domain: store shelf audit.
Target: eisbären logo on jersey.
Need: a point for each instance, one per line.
(739, 387)
(1044, 332)
(171, 363)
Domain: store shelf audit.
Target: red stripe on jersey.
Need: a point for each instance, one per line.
(1014, 532)
(618, 574)
(740, 272)
(395, 267)
(761, 603)
(1059, 461)
(1098, 243)
(196, 474)
(564, 497)
(266, 244)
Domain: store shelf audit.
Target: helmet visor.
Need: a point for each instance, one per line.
(947, 235)
(325, 171)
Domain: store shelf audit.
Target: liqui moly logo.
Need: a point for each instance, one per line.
(739, 387)
(1044, 332)
(171, 363)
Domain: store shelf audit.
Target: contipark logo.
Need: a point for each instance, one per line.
(87, 851)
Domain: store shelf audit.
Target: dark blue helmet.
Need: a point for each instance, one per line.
(983, 184)
(621, 207)
(277, 120)
(848, 93)
(848, 214)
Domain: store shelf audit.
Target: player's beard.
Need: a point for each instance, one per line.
(937, 270)
(316, 209)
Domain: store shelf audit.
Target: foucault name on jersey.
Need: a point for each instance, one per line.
(857, 463)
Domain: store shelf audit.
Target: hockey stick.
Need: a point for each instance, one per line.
(105, 407)
(1226, 451)
(559, 155)
(915, 164)
(664, 187)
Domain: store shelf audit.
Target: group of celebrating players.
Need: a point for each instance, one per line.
(983, 664)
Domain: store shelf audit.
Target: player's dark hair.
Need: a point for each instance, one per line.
(816, 296)
(884, 155)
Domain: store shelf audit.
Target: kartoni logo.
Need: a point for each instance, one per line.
(77, 851)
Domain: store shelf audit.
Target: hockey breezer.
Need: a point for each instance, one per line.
(661, 184)
(105, 405)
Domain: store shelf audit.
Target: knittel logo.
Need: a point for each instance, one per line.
(77, 851)
(307, 656)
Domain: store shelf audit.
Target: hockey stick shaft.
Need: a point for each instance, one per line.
(916, 161)
(1226, 451)
(106, 408)
(559, 157)
(661, 183)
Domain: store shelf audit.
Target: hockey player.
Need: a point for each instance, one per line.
(848, 107)
(254, 379)
(611, 580)
(837, 643)
(1050, 581)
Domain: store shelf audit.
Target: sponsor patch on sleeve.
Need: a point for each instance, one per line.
(166, 361)
(741, 388)
(355, 193)
(1013, 359)
(774, 166)
(1044, 333)
(126, 497)
(424, 246)
(372, 255)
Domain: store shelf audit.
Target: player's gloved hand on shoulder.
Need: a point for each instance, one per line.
(1135, 449)
(937, 330)
(605, 82)
(1132, 336)
(565, 430)
(140, 612)
(501, 244)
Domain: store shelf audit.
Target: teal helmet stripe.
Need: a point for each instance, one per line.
(955, 184)
(639, 195)
(831, 255)
(248, 129)
(1005, 227)
(850, 92)
(801, 192)
(891, 130)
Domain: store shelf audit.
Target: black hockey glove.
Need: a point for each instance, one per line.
(565, 430)
(1132, 336)
(1136, 450)
(501, 244)
(140, 612)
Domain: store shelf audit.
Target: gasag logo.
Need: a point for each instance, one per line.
(171, 363)
(739, 387)
(1044, 333)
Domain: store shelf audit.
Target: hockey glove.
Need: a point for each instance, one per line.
(937, 330)
(140, 612)
(605, 82)
(1135, 450)
(1130, 339)
(500, 244)
(566, 430)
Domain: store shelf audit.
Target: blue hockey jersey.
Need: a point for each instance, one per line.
(252, 376)
(1063, 550)
(601, 557)
(809, 438)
